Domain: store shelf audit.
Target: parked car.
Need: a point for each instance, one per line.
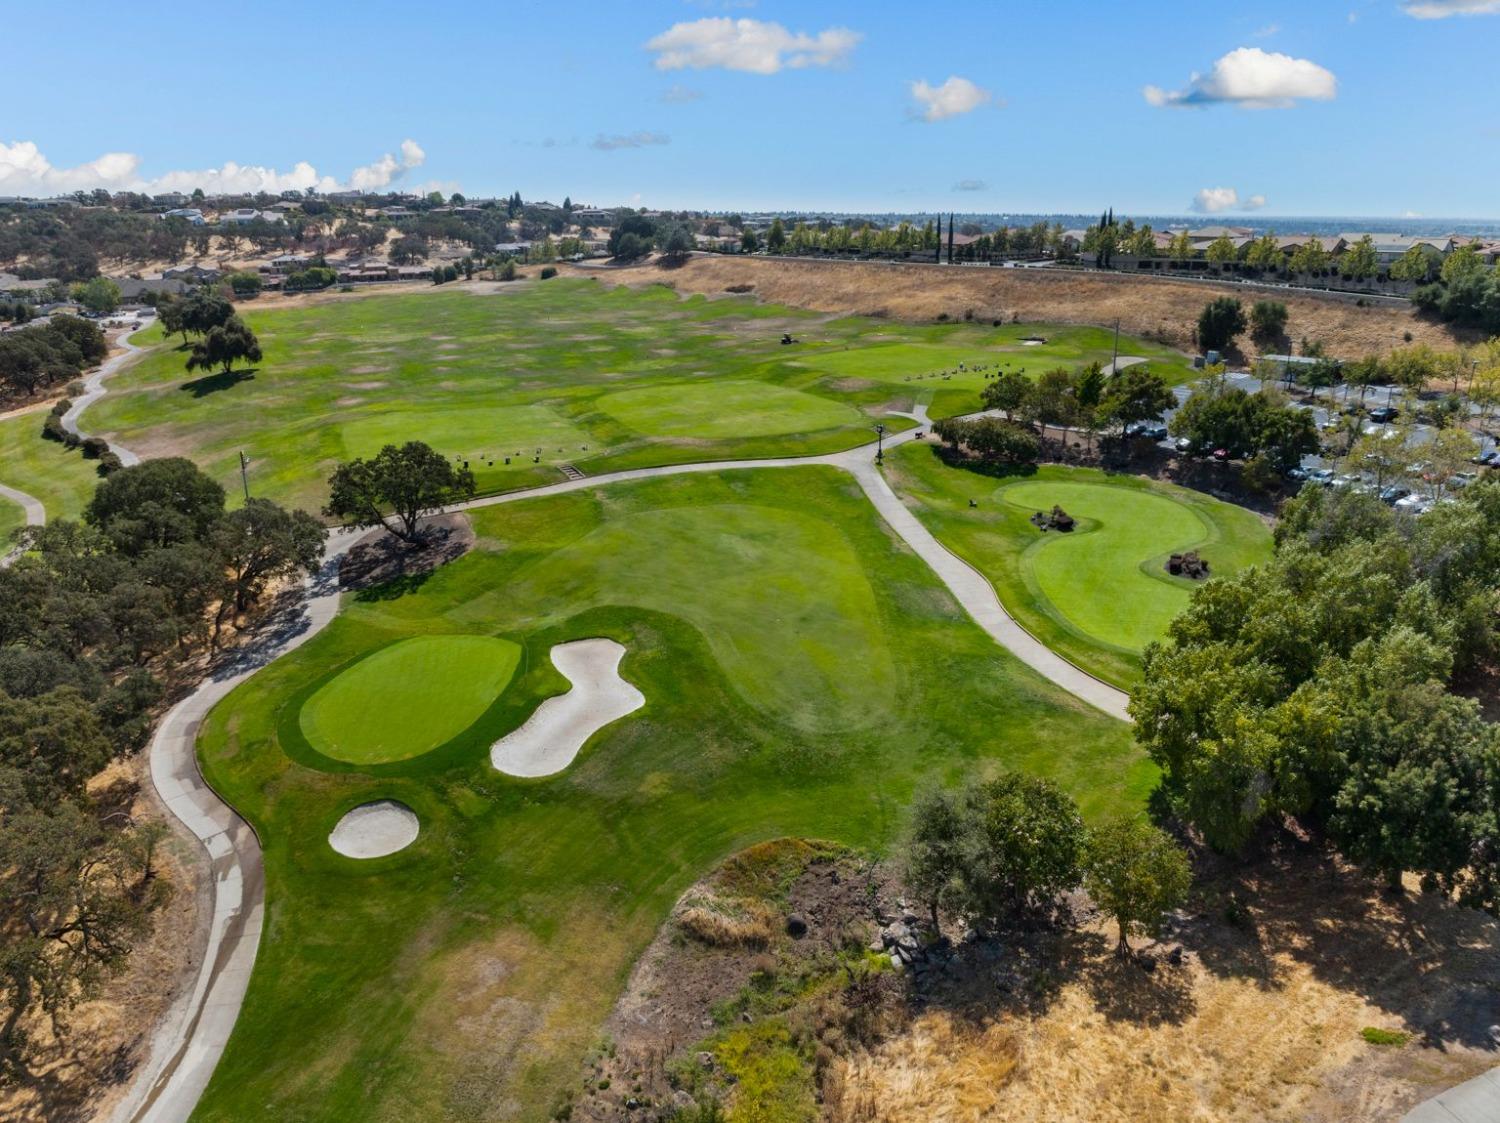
(1384, 414)
(1183, 445)
(1414, 504)
(1297, 474)
(1487, 459)
(1221, 454)
(1343, 482)
(1393, 494)
(1321, 476)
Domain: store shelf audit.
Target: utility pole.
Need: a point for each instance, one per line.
(950, 237)
(245, 474)
(880, 444)
(1114, 360)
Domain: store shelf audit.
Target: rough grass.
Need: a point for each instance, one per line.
(572, 372)
(466, 977)
(1096, 595)
(1163, 310)
(61, 478)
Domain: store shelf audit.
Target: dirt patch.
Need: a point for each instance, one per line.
(376, 385)
(1162, 310)
(369, 368)
(381, 558)
(1250, 1007)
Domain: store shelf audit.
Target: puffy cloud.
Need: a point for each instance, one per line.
(24, 170)
(953, 98)
(641, 139)
(680, 95)
(1442, 9)
(970, 185)
(755, 46)
(1212, 200)
(1252, 79)
(1254, 203)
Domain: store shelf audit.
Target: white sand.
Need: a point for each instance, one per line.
(373, 830)
(551, 737)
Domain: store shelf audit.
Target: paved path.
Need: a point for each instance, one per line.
(1474, 1101)
(190, 1040)
(36, 515)
(94, 389)
(1121, 363)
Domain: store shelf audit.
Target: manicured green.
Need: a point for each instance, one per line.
(408, 698)
(1098, 594)
(60, 477)
(803, 672)
(570, 372)
(12, 519)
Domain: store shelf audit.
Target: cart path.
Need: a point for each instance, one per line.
(36, 515)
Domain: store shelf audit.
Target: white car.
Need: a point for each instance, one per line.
(1414, 504)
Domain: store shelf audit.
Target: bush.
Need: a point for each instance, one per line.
(1221, 320)
(1267, 322)
(508, 270)
(109, 462)
(94, 448)
(548, 273)
(1377, 1036)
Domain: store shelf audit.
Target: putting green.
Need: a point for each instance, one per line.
(407, 698)
(716, 409)
(1104, 578)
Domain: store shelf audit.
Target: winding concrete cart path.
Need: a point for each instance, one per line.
(187, 1045)
(36, 515)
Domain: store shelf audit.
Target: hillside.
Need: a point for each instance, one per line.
(1159, 309)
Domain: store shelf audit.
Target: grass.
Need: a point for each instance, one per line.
(408, 698)
(60, 478)
(1096, 595)
(803, 673)
(1377, 1036)
(571, 372)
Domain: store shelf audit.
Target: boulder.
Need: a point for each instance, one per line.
(796, 927)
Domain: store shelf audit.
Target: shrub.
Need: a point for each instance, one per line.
(1377, 1036)
(94, 447)
(548, 273)
(109, 462)
(508, 270)
(1267, 321)
(1221, 320)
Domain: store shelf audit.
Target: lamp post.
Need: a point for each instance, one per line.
(245, 474)
(880, 444)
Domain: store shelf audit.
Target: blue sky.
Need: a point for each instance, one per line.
(1358, 108)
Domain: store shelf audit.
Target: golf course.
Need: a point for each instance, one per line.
(570, 371)
(802, 673)
(1097, 594)
(59, 477)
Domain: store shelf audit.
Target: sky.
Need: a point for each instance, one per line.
(1314, 107)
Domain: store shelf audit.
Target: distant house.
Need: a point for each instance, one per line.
(192, 215)
(396, 212)
(240, 216)
(344, 196)
(170, 199)
(594, 216)
(133, 291)
(1331, 243)
(193, 274)
(513, 248)
(1390, 247)
(1211, 233)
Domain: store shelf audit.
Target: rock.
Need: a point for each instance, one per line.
(1495, 1034)
(745, 1016)
(877, 944)
(796, 927)
(706, 1060)
(632, 1103)
(1174, 957)
(897, 963)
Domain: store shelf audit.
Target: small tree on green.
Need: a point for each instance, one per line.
(941, 845)
(1136, 874)
(1221, 320)
(1009, 392)
(98, 294)
(229, 343)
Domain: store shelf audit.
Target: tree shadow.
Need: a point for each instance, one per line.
(385, 568)
(213, 383)
(1422, 959)
(952, 458)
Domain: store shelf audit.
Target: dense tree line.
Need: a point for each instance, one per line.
(97, 621)
(1468, 292)
(1320, 685)
(1085, 399)
(46, 354)
(1261, 427)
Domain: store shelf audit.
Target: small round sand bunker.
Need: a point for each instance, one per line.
(552, 736)
(373, 830)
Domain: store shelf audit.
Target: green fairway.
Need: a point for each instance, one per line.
(408, 698)
(570, 372)
(803, 672)
(1096, 595)
(719, 410)
(59, 477)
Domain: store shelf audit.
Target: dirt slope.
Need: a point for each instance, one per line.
(1160, 309)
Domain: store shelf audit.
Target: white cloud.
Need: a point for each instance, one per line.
(1254, 203)
(1442, 9)
(680, 95)
(640, 139)
(1252, 79)
(1269, 30)
(755, 46)
(1212, 200)
(953, 98)
(24, 170)
(970, 185)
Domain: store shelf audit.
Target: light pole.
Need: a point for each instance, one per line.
(880, 444)
(1114, 359)
(245, 474)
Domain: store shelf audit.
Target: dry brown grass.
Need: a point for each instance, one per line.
(1163, 310)
(726, 922)
(1262, 1021)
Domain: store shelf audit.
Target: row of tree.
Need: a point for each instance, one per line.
(98, 619)
(992, 851)
(1320, 685)
(1085, 399)
(48, 354)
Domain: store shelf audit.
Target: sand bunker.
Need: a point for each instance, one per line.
(551, 737)
(373, 830)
